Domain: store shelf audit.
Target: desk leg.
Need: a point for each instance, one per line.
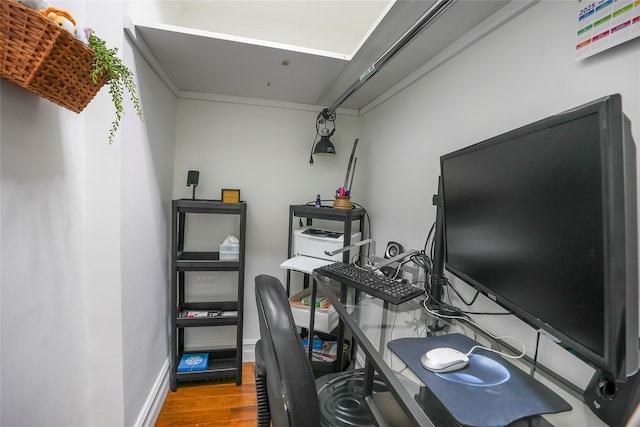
(383, 328)
(367, 395)
(340, 355)
(312, 318)
(369, 373)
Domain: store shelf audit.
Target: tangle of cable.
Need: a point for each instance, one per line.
(444, 316)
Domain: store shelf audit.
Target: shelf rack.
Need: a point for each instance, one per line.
(223, 362)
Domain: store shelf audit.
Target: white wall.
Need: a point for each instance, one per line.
(146, 191)
(102, 249)
(263, 151)
(518, 74)
(44, 315)
(81, 305)
(83, 244)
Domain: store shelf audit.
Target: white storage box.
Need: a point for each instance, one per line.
(230, 252)
(326, 319)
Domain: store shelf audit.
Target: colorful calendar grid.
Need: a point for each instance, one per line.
(603, 24)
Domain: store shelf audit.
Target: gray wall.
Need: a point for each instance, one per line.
(146, 191)
(84, 249)
(264, 151)
(521, 72)
(84, 246)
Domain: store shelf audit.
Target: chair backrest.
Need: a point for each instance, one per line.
(293, 399)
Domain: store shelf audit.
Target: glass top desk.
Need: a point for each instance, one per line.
(373, 323)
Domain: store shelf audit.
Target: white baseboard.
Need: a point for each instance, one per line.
(152, 406)
(249, 350)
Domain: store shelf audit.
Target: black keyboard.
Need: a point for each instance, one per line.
(374, 284)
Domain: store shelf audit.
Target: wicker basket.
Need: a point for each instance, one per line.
(44, 58)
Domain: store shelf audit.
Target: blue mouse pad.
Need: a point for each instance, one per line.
(489, 391)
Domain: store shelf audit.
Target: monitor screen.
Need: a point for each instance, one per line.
(542, 219)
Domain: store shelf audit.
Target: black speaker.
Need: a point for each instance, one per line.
(393, 249)
(611, 401)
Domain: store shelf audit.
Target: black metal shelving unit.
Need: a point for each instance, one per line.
(346, 217)
(223, 362)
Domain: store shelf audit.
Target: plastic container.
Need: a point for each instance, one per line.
(326, 319)
(230, 252)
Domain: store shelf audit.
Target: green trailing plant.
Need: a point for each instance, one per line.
(119, 79)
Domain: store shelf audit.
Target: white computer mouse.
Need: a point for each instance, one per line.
(444, 359)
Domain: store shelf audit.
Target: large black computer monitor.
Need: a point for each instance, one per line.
(542, 220)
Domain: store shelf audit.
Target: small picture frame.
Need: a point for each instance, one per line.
(230, 195)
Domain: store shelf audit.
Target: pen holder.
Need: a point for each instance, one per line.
(342, 202)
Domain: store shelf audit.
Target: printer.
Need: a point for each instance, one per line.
(313, 242)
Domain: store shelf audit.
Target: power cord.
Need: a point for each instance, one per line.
(473, 300)
(468, 304)
(497, 338)
(535, 354)
(367, 220)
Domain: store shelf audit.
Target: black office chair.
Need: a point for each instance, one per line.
(288, 395)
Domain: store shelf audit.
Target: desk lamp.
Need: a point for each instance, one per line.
(324, 146)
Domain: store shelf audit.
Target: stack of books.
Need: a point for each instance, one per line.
(194, 314)
(321, 301)
(324, 351)
(198, 314)
(193, 362)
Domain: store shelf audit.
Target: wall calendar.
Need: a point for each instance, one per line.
(602, 24)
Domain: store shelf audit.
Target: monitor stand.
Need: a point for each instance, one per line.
(437, 279)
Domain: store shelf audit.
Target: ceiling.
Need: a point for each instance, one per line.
(310, 55)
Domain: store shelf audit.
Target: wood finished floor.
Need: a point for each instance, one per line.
(212, 404)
